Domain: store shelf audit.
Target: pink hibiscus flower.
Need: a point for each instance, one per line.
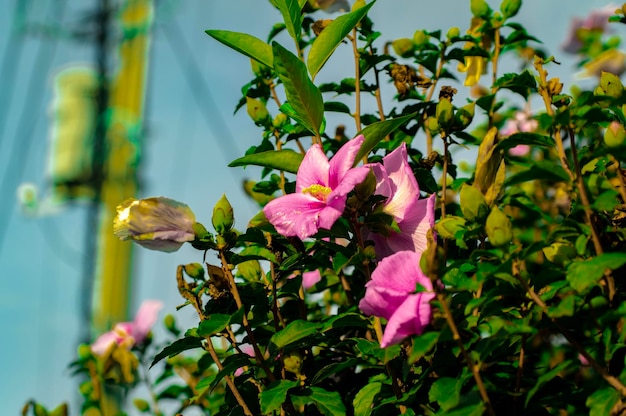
(128, 334)
(392, 294)
(414, 216)
(322, 187)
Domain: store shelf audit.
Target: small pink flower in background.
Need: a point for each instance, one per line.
(156, 223)
(521, 123)
(309, 279)
(414, 216)
(128, 334)
(392, 294)
(322, 187)
(597, 20)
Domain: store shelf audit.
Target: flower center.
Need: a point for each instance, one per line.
(319, 192)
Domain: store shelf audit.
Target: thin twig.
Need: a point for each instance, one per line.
(612, 381)
(246, 325)
(357, 82)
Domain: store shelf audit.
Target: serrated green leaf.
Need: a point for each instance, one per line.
(582, 275)
(600, 402)
(522, 83)
(177, 347)
(292, 16)
(275, 395)
(332, 36)
(215, 323)
(303, 96)
(375, 132)
(293, 332)
(285, 160)
(246, 44)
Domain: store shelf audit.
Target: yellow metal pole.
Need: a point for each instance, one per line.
(126, 105)
(122, 146)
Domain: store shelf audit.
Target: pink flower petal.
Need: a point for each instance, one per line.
(313, 170)
(405, 189)
(145, 319)
(411, 318)
(298, 214)
(310, 279)
(343, 161)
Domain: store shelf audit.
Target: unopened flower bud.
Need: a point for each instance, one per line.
(614, 135)
(250, 270)
(444, 112)
(403, 47)
(473, 204)
(463, 116)
(280, 120)
(358, 4)
(256, 110)
(449, 226)
(60, 410)
(39, 410)
(86, 388)
(194, 270)
(453, 32)
(611, 85)
(432, 125)
(259, 69)
(141, 405)
(293, 363)
(509, 8)
(223, 217)
(84, 351)
(499, 228)
(480, 8)
(420, 38)
(559, 252)
(169, 321)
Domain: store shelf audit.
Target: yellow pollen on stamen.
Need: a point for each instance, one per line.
(319, 192)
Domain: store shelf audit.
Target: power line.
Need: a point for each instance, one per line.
(22, 141)
(200, 91)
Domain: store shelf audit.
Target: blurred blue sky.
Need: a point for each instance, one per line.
(190, 139)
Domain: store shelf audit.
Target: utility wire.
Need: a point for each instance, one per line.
(201, 92)
(10, 61)
(23, 140)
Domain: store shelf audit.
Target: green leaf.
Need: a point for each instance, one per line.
(446, 391)
(254, 253)
(333, 368)
(522, 83)
(337, 107)
(332, 36)
(303, 96)
(285, 160)
(177, 347)
(293, 332)
(582, 275)
(292, 16)
(375, 132)
(246, 44)
(364, 400)
(329, 403)
(600, 402)
(531, 139)
(213, 325)
(350, 320)
(422, 345)
(275, 395)
(546, 377)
